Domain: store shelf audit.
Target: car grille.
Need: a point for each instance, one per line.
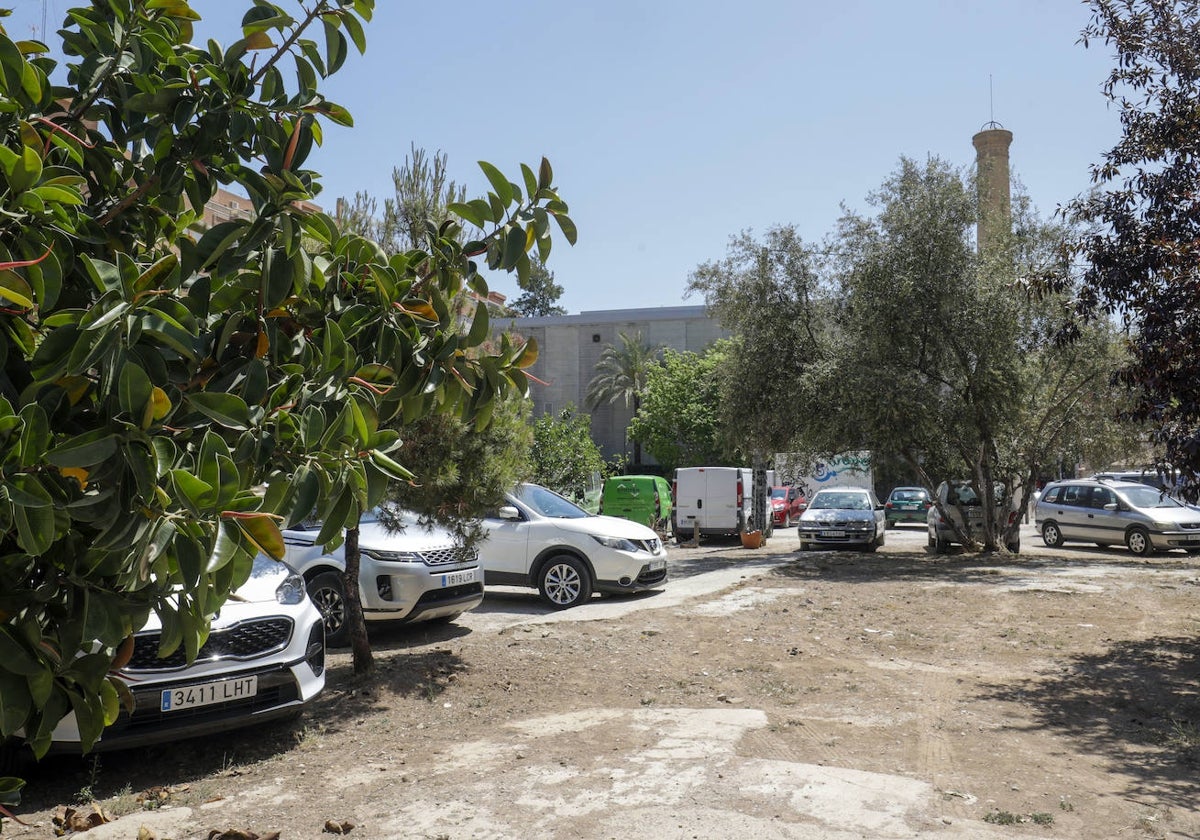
(448, 555)
(648, 577)
(1189, 526)
(244, 640)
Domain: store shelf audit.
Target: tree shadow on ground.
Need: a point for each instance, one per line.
(955, 567)
(1136, 704)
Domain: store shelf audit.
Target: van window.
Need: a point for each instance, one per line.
(1073, 494)
(1101, 496)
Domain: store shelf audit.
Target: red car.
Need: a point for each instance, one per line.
(787, 503)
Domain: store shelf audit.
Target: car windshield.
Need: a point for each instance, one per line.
(838, 500)
(548, 503)
(779, 492)
(1148, 497)
(908, 495)
(966, 495)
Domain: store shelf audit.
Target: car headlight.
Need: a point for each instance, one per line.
(291, 591)
(615, 543)
(392, 556)
(1166, 526)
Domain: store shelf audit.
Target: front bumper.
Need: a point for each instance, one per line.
(413, 591)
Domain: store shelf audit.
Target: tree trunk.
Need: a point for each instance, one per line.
(359, 644)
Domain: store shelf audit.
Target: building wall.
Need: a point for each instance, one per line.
(570, 346)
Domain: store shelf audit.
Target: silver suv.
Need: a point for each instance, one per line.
(418, 574)
(1113, 512)
(963, 506)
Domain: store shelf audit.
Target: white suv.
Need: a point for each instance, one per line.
(421, 573)
(541, 539)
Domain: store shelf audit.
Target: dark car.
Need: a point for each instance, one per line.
(907, 504)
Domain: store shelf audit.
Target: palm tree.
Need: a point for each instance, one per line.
(621, 374)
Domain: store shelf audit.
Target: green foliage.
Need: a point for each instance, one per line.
(769, 295)
(464, 472)
(564, 455)
(154, 373)
(679, 418)
(539, 293)
(621, 372)
(1139, 245)
(909, 344)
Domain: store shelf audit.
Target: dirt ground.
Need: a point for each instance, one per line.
(762, 693)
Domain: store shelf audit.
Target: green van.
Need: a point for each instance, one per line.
(645, 499)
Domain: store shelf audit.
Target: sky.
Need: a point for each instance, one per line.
(672, 126)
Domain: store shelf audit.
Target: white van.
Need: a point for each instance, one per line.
(720, 500)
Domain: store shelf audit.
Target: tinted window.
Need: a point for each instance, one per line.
(1073, 494)
(1102, 496)
(548, 503)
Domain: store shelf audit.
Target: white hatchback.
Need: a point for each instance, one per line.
(542, 540)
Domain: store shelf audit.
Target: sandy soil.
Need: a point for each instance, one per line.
(761, 693)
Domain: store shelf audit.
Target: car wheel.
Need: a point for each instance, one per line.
(564, 582)
(328, 593)
(1014, 547)
(770, 529)
(941, 546)
(1051, 535)
(804, 546)
(889, 524)
(1138, 540)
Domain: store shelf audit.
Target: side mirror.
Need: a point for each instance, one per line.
(509, 512)
(1111, 506)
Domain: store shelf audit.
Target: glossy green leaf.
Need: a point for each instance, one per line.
(85, 450)
(229, 410)
(499, 183)
(15, 702)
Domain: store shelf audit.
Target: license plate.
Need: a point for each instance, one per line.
(832, 534)
(458, 578)
(658, 565)
(206, 694)
(1192, 538)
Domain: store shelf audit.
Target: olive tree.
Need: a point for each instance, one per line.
(171, 395)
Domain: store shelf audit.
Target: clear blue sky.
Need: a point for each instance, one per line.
(673, 125)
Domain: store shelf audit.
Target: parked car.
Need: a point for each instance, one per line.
(420, 573)
(787, 503)
(838, 517)
(907, 504)
(264, 659)
(542, 540)
(963, 506)
(1143, 518)
(645, 499)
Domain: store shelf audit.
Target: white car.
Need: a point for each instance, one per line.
(422, 573)
(542, 540)
(264, 659)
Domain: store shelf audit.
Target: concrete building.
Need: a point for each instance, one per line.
(570, 345)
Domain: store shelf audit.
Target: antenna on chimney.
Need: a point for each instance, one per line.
(991, 123)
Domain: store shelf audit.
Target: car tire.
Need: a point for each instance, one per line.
(564, 582)
(1014, 547)
(940, 546)
(1138, 542)
(1052, 534)
(328, 593)
(770, 528)
(803, 546)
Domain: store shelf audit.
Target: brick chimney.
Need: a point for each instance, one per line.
(995, 199)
